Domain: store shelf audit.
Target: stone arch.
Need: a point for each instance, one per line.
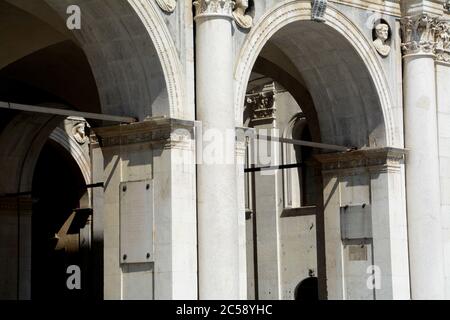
(74, 149)
(132, 55)
(298, 14)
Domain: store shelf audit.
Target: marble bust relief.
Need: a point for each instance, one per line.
(382, 35)
(242, 19)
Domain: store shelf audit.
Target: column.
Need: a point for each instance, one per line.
(443, 114)
(150, 160)
(218, 236)
(422, 165)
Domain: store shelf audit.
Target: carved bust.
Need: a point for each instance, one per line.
(79, 133)
(242, 19)
(382, 33)
(167, 5)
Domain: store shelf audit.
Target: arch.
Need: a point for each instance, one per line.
(289, 12)
(130, 50)
(75, 150)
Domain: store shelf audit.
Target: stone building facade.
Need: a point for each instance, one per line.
(188, 200)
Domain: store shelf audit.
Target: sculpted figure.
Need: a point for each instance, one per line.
(382, 32)
(242, 20)
(167, 5)
(79, 133)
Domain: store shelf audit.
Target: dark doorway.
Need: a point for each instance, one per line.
(307, 290)
(60, 229)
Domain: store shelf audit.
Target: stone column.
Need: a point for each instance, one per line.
(153, 158)
(443, 114)
(218, 234)
(422, 165)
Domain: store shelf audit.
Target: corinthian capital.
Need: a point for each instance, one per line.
(214, 8)
(167, 5)
(418, 33)
(442, 49)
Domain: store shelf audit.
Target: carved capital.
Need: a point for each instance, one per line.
(442, 48)
(260, 106)
(167, 5)
(205, 8)
(418, 34)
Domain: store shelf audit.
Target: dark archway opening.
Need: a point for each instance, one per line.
(307, 290)
(60, 228)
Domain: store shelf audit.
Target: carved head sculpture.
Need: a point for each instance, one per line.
(79, 132)
(241, 5)
(382, 31)
(382, 35)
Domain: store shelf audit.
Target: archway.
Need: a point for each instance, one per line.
(118, 63)
(332, 76)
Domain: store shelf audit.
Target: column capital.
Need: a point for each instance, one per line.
(442, 48)
(159, 131)
(260, 106)
(418, 34)
(214, 8)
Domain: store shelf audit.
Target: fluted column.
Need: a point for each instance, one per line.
(218, 244)
(422, 168)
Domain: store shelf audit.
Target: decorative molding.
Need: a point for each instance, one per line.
(242, 19)
(368, 158)
(167, 5)
(318, 8)
(159, 131)
(208, 8)
(260, 106)
(167, 52)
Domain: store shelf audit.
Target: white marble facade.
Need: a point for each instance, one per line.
(369, 223)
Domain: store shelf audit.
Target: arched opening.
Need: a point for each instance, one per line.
(321, 90)
(307, 290)
(61, 226)
(109, 66)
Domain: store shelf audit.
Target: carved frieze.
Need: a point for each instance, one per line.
(165, 132)
(373, 159)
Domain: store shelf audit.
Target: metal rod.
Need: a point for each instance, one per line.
(281, 167)
(305, 143)
(66, 112)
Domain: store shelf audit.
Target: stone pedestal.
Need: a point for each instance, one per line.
(217, 207)
(365, 224)
(160, 151)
